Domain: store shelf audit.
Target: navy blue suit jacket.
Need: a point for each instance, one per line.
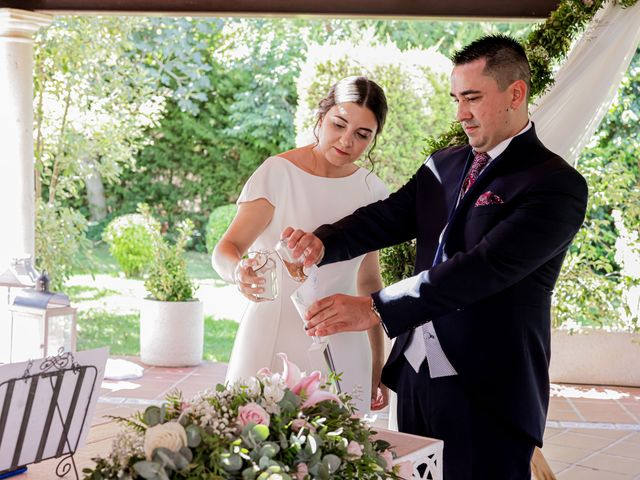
(490, 300)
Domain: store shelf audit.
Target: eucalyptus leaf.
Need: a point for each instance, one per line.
(231, 463)
(269, 449)
(332, 462)
(180, 462)
(152, 416)
(193, 436)
(323, 472)
(146, 469)
(250, 473)
(186, 453)
(260, 432)
(164, 457)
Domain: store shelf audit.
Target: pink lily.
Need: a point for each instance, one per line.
(309, 388)
(319, 396)
(291, 373)
(308, 384)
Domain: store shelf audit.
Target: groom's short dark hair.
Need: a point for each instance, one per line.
(505, 57)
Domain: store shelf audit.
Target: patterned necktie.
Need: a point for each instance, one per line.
(480, 160)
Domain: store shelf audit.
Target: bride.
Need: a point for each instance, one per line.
(308, 186)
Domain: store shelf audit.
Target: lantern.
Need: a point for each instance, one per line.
(42, 322)
(19, 274)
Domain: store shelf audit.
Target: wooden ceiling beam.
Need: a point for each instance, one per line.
(459, 9)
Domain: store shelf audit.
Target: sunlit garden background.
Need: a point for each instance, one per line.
(175, 114)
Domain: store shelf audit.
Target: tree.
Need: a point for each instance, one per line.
(594, 285)
(92, 104)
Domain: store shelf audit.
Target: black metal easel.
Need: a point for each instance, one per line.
(56, 370)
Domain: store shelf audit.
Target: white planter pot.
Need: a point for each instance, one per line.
(171, 333)
(595, 357)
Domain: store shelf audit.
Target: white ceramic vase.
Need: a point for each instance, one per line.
(171, 333)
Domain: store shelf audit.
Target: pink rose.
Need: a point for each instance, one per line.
(301, 472)
(354, 449)
(387, 456)
(252, 413)
(404, 470)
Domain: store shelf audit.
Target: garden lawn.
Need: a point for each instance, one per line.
(121, 333)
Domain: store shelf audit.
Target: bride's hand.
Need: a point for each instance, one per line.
(247, 281)
(379, 396)
(304, 245)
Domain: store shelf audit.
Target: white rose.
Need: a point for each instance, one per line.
(169, 435)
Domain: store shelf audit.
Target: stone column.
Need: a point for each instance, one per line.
(17, 194)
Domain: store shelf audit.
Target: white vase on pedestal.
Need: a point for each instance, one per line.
(171, 333)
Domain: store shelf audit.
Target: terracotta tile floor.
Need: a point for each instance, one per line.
(593, 432)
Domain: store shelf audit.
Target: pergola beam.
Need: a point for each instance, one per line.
(470, 9)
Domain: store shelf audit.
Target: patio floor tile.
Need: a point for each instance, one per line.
(611, 463)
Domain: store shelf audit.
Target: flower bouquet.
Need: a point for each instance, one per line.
(272, 426)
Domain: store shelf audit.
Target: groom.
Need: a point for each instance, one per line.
(493, 221)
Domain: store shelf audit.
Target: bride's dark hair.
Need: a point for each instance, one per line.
(361, 91)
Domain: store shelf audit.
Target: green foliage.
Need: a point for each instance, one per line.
(397, 262)
(131, 239)
(175, 55)
(219, 221)
(60, 238)
(200, 158)
(599, 269)
(448, 37)
(168, 280)
(92, 104)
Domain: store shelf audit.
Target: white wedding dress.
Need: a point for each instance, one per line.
(305, 201)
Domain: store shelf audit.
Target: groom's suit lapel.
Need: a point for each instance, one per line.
(468, 200)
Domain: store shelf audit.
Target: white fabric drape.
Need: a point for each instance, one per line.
(568, 115)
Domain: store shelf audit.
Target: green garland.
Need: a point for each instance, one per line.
(546, 46)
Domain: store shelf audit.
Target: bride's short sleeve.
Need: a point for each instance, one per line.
(378, 189)
(265, 182)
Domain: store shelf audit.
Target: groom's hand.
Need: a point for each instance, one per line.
(340, 313)
(304, 244)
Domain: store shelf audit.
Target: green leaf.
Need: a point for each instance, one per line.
(259, 433)
(193, 436)
(152, 416)
(332, 463)
(231, 463)
(146, 469)
(164, 457)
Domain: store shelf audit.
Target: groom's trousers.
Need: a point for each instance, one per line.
(478, 445)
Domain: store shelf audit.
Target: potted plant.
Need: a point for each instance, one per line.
(171, 318)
